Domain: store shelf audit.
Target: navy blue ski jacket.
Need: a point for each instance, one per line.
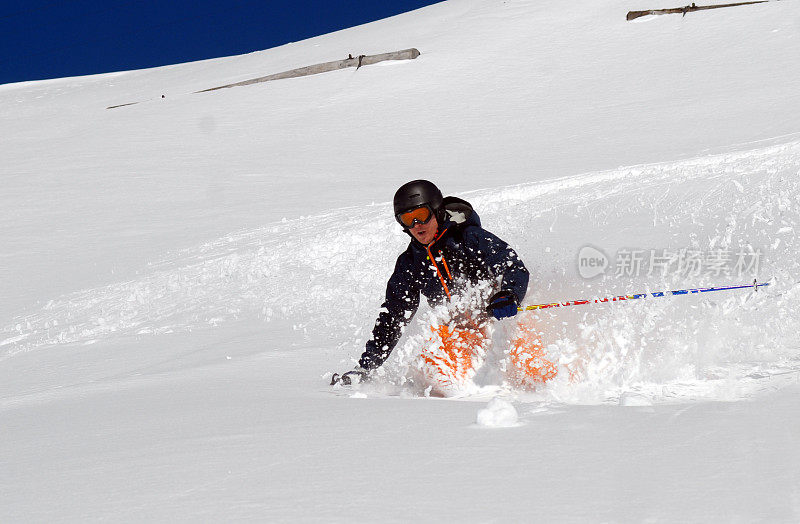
(462, 253)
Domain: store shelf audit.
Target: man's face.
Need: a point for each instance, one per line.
(425, 233)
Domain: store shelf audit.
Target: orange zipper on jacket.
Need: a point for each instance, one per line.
(433, 261)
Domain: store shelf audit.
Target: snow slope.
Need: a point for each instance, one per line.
(180, 275)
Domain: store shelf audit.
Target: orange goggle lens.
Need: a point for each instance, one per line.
(420, 215)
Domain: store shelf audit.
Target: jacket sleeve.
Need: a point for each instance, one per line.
(402, 301)
(500, 259)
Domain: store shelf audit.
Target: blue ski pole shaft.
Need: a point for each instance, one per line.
(656, 294)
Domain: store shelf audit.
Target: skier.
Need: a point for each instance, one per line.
(454, 262)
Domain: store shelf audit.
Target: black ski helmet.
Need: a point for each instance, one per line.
(418, 193)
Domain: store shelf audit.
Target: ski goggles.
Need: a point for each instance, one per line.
(418, 215)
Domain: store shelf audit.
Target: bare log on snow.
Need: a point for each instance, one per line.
(632, 15)
(350, 61)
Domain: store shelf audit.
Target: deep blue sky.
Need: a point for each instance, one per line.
(51, 39)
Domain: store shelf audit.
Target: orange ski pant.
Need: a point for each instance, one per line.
(453, 354)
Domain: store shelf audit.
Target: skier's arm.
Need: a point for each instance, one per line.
(501, 260)
(402, 301)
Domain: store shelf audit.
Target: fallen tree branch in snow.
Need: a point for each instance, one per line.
(632, 15)
(350, 61)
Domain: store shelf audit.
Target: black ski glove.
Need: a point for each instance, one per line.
(503, 304)
(356, 376)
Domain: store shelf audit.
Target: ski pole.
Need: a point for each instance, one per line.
(657, 294)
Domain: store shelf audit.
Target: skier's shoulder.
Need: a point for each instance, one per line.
(462, 219)
(406, 258)
(406, 268)
(459, 213)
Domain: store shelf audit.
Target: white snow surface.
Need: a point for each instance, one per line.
(181, 276)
